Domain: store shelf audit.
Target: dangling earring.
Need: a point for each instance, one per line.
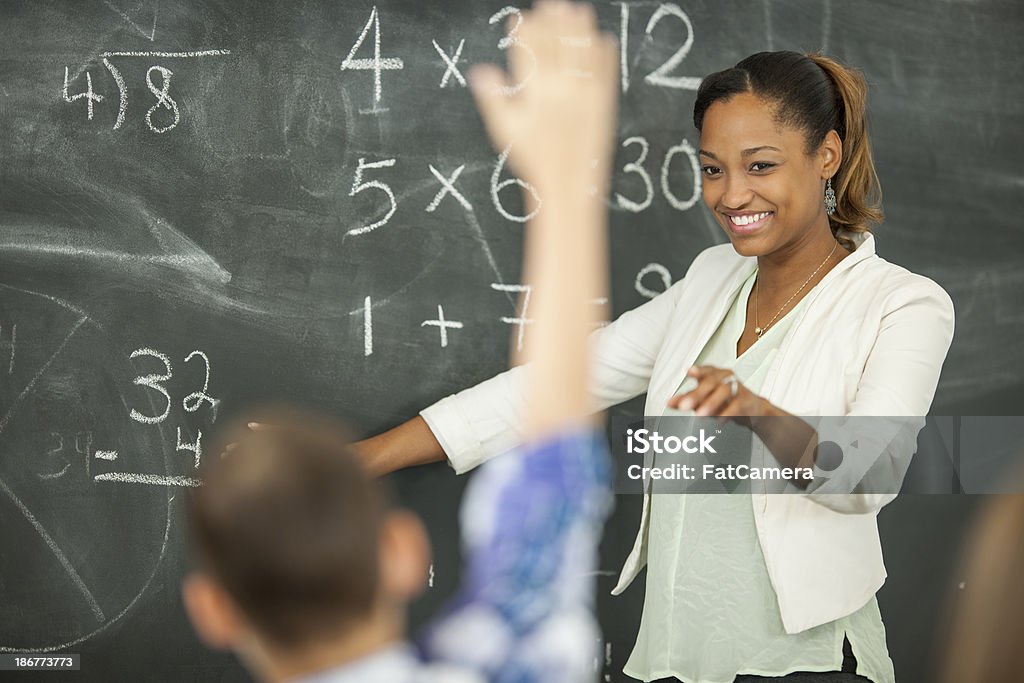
(830, 198)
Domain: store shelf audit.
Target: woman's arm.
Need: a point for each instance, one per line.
(410, 443)
(893, 397)
(486, 419)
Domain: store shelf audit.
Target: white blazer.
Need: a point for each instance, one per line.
(871, 340)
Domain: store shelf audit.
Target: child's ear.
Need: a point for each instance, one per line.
(404, 556)
(211, 611)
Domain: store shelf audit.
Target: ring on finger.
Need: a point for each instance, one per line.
(733, 384)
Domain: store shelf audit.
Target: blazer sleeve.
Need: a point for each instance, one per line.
(485, 420)
(895, 391)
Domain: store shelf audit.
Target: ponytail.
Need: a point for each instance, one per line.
(858, 190)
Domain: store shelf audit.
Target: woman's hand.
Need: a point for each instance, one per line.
(713, 395)
(791, 441)
(560, 125)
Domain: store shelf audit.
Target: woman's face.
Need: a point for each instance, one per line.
(764, 190)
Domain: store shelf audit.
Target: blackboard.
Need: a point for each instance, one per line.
(256, 202)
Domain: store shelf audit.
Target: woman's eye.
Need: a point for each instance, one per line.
(710, 170)
(764, 166)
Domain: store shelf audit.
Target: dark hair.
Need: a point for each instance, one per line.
(288, 523)
(815, 94)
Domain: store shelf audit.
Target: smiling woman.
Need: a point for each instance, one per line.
(777, 131)
(815, 131)
(797, 315)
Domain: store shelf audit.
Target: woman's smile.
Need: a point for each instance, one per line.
(747, 222)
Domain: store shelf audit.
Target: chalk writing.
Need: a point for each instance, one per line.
(441, 324)
(11, 345)
(358, 186)
(164, 101)
(452, 68)
(658, 269)
(377, 64)
(448, 187)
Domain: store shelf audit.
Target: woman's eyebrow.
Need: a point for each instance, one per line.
(746, 152)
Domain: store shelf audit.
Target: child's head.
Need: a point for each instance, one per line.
(298, 550)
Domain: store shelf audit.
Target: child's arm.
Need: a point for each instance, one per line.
(532, 521)
(561, 131)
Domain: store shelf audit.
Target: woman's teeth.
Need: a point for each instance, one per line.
(748, 219)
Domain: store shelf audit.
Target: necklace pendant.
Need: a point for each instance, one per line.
(758, 331)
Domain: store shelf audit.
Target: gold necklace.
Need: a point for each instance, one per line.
(758, 330)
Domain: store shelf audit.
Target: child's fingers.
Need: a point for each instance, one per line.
(586, 16)
(486, 82)
(581, 41)
(522, 61)
(609, 45)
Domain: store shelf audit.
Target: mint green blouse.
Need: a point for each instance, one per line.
(710, 611)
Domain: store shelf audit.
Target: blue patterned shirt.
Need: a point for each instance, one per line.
(531, 523)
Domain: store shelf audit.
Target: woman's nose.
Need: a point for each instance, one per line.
(737, 193)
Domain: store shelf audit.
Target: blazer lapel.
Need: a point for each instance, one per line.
(698, 316)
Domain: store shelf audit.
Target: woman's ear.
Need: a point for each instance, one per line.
(831, 154)
(213, 615)
(404, 556)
